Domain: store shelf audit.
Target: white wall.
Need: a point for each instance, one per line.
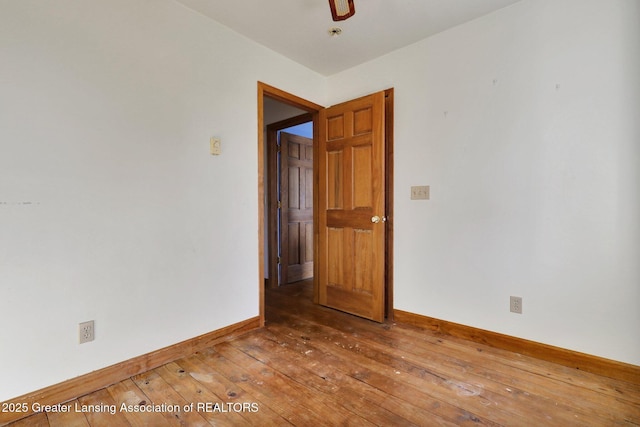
(111, 207)
(525, 123)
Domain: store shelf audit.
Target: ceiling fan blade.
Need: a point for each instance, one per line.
(341, 9)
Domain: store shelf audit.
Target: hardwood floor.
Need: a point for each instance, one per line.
(312, 366)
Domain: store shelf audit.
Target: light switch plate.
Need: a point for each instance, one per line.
(214, 146)
(420, 192)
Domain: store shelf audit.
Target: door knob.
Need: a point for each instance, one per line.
(375, 219)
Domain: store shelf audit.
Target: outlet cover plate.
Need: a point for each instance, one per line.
(86, 331)
(515, 305)
(420, 192)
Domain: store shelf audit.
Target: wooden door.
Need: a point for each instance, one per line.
(296, 201)
(351, 211)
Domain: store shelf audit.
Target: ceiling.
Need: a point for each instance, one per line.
(299, 29)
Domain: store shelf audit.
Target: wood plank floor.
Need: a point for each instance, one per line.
(313, 366)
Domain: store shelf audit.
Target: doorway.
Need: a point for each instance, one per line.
(267, 94)
(290, 240)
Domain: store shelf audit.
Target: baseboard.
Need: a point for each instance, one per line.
(573, 359)
(93, 381)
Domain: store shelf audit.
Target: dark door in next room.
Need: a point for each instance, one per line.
(296, 212)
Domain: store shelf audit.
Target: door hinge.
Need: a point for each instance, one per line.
(279, 204)
(279, 260)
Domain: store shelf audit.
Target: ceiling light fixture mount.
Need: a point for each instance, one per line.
(335, 31)
(342, 9)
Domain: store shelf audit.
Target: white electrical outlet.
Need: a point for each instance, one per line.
(515, 305)
(86, 331)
